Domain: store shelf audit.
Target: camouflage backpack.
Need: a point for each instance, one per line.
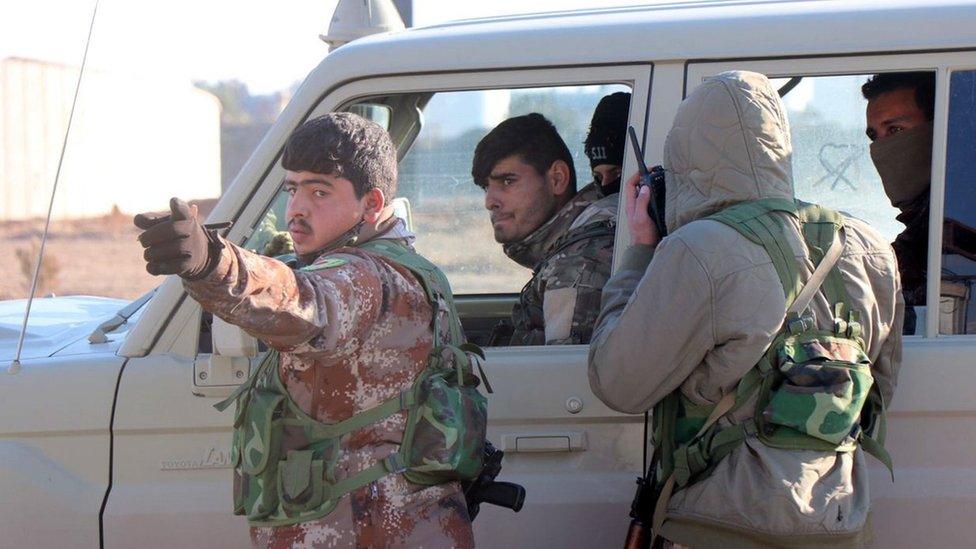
(814, 389)
(443, 441)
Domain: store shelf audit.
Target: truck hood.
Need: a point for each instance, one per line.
(55, 323)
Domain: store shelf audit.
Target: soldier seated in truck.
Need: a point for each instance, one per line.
(362, 329)
(604, 145)
(543, 223)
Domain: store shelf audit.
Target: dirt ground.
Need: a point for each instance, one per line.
(101, 256)
(97, 256)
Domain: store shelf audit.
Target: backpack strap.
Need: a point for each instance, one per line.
(813, 284)
(750, 219)
(438, 290)
(661, 507)
(431, 278)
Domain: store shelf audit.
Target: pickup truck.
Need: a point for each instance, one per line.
(109, 437)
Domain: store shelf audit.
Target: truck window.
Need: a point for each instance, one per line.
(833, 166)
(436, 134)
(831, 158)
(956, 312)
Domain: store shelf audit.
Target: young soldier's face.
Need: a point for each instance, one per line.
(893, 112)
(320, 208)
(520, 199)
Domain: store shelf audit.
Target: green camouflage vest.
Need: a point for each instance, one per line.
(443, 440)
(814, 387)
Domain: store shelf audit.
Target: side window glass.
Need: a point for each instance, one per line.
(436, 134)
(448, 210)
(869, 159)
(831, 158)
(956, 311)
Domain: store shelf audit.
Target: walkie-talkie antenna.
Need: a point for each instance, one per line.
(647, 180)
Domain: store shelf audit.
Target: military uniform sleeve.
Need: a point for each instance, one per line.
(655, 326)
(573, 282)
(319, 310)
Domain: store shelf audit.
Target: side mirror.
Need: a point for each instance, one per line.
(231, 341)
(217, 374)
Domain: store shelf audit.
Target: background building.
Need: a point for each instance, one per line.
(136, 141)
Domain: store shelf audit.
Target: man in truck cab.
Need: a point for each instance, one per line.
(605, 141)
(544, 224)
(900, 110)
(327, 431)
(764, 332)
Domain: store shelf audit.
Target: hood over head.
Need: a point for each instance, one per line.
(730, 143)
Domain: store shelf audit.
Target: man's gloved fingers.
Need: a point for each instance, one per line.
(148, 219)
(166, 232)
(169, 267)
(165, 251)
(180, 210)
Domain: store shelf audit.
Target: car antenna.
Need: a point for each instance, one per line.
(15, 365)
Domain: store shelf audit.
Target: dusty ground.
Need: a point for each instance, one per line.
(97, 256)
(101, 257)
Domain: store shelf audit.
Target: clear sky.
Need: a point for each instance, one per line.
(267, 44)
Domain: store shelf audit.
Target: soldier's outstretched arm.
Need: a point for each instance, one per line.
(293, 311)
(287, 309)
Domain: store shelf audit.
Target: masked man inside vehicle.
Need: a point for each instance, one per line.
(605, 142)
(544, 224)
(764, 332)
(899, 115)
(329, 447)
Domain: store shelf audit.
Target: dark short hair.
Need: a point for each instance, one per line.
(344, 145)
(532, 137)
(922, 82)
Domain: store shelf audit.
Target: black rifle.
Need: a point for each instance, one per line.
(485, 489)
(642, 510)
(654, 180)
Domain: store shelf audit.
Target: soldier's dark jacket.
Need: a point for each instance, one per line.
(570, 258)
(352, 334)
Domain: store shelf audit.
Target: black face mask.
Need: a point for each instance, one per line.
(610, 188)
(904, 162)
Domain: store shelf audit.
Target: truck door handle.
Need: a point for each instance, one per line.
(567, 441)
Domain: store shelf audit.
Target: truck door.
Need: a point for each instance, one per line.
(576, 458)
(932, 421)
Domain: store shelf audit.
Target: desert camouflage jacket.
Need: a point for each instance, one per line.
(351, 334)
(570, 258)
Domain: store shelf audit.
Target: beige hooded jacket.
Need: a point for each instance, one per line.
(701, 313)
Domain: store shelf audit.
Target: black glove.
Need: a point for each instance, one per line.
(176, 243)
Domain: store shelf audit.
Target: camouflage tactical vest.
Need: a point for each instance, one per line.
(443, 440)
(814, 389)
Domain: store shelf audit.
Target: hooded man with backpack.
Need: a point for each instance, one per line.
(764, 332)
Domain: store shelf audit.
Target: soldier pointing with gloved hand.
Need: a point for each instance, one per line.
(357, 425)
